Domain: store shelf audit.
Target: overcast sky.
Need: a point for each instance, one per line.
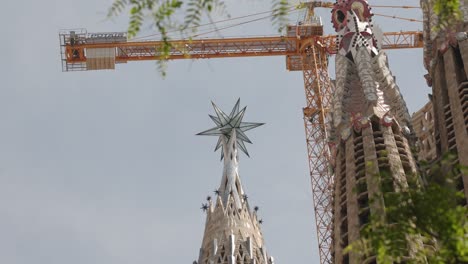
(104, 167)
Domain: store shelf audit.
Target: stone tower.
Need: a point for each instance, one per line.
(446, 60)
(371, 128)
(232, 231)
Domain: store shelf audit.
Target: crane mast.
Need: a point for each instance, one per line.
(306, 49)
(318, 93)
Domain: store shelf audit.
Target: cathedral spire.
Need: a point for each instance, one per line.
(232, 232)
(371, 139)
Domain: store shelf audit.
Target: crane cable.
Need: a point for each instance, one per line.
(291, 11)
(405, 7)
(292, 8)
(238, 24)
(402, 18)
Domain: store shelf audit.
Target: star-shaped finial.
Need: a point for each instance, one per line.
(226, 123)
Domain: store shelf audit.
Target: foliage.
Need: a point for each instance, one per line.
(280, 10)
(424, 222)
(193, 11)
(165, 15)
(448, 13)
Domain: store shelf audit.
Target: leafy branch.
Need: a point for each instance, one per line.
(423, 223)
(280, 10)
(448, 13)
(163, 13)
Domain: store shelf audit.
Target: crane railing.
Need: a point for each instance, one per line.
(96, 51)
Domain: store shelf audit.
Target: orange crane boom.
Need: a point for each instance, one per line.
(95, 51)
(306, 50)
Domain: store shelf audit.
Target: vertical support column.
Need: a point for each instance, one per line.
(365, 72)
(215, 247)
(250, 248)
(391, 90)
(231, 249)
(394, 160)
(339, 172)
(439, 103)
(351, 200)
(461, 134)
(412, 160)
(343, 67)
(464, 9)
(463, 45)
(372, 172)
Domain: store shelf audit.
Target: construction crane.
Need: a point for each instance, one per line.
(306, 49)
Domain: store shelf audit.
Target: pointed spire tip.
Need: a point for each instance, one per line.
(226, 125)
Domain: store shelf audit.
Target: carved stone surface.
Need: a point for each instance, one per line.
(446, 59)
(364, 82)
(371, 128)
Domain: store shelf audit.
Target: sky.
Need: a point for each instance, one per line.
(104, 167)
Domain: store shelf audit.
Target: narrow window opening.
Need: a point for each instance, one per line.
(375, 126)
